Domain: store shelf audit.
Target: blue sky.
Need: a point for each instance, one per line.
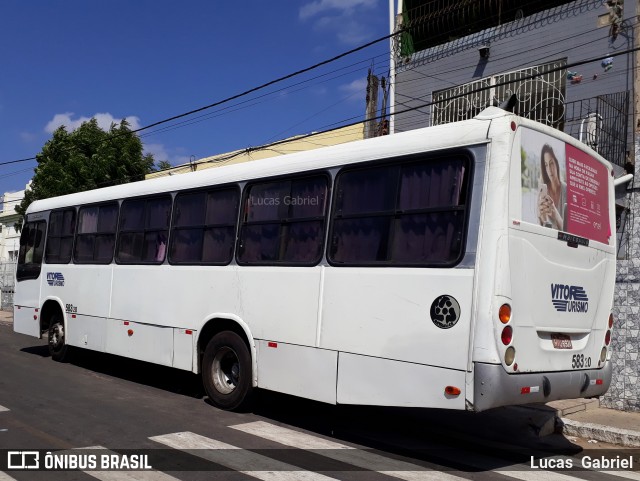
(63, 62)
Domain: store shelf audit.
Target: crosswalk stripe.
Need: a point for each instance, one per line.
(247, 462)
(288, 437)
(624, 474)
(343, 453)
(538, 475)
(125, 475)
(5, 477)
(3, 409)
(387, 466)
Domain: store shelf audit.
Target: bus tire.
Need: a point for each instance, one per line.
(226, 371)
(58, 348)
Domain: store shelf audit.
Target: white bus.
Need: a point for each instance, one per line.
(463, 266)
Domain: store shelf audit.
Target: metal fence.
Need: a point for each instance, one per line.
(601, 122)
(7, 284)
(539, 93)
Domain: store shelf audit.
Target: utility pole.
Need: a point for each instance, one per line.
(370, 124)
(383, 125)
(393, 41)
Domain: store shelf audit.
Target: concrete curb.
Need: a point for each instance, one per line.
(599, 432)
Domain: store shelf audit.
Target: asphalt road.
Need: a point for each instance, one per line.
(116, 405)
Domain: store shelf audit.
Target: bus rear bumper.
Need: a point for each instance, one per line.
(494, 387)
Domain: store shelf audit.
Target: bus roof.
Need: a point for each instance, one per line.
(465, 133)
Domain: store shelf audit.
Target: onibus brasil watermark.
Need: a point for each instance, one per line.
(62, 461)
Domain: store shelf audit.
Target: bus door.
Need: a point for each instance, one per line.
(27, 293)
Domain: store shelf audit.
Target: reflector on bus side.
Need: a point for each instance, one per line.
(452, 391)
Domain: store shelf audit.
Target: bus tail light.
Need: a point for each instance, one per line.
(452, 391)
(607, 337)
(509, 356)
(507, 335)
(610, 320)
(504, 313)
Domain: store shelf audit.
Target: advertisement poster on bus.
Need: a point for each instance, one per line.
(563, 188)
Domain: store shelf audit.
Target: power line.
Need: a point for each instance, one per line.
(262, 86)
(267, 84)
(242, 94)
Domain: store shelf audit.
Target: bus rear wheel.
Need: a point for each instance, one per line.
(58, 347)
(226, 371)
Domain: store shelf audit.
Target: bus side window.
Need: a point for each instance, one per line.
(408, 213)
(144, 230)
(38, 246)
(24, 243)
(31, 250)
(60, 236)
(95, 238)
(204, 226)
(284, 222)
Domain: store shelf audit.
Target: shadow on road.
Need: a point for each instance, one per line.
(153, 375)
(458, 440)
(453, 440)
(42, 351)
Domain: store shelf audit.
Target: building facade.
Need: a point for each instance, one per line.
(291, 145)
(9, 236)
(9, 246)
(569, 64)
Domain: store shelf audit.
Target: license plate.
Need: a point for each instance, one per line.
(561, 341)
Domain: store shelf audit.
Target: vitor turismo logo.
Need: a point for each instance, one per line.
(55, 279)
(569, 298)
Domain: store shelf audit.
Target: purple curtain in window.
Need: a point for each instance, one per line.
(424, 186)
(303, 242)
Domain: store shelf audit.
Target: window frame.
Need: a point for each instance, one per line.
(120, 231)
(101, 233)
(172, 228)
(466, 190)
(27, 271)
(292, 177)
(73, 209)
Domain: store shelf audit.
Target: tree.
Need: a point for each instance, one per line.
(164, 165)
(85, 159)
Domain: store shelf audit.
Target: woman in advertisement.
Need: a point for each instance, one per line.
(552, 194)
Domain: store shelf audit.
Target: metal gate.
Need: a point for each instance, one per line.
(7, 284)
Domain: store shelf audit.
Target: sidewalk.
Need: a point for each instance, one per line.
(6, 317)
(583, 418)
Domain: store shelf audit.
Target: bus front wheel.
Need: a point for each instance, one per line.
(58, 347)
(226, 371)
